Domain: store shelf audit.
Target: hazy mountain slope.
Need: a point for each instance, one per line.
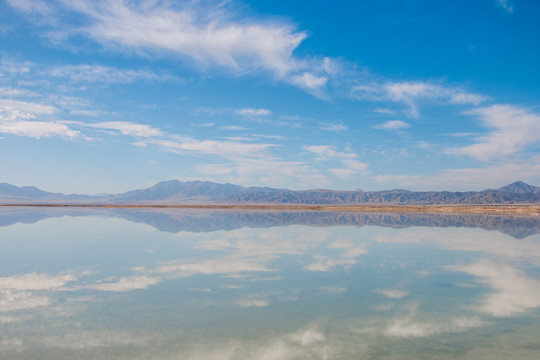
(205, 192)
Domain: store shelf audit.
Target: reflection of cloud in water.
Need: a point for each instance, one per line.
(415, 325)
(125, 284)
(308, 343)
(391, 293)
(470, 240)
(514, 291)
(328, 263)
(35, 281)
(11, 344)
(83, 340)
(407, 327)
(17, 291)
(21, 300)
(251, 303)
(223, 266)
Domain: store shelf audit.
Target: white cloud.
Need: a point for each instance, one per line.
(250, 112)
(514, 291)
(351, 166)
(233, 128)
(206, 34)
(24, 109)
(513, 129)
(354, 164)
(37, 129)
(266, 171)
(506, 5)
(311, 83)
(493, 176)
(384, 111)
(226, 149)
(335, 127)
(207, 124)
(410, 93)
(105, 74)
(16, 117)
(127, 128)
(38, 7)
(12, 67)
(342, 173)
(392, 125)
(326, 152)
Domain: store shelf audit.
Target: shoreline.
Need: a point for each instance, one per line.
(439, 209)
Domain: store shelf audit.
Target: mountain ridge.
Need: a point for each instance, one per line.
(206, 192)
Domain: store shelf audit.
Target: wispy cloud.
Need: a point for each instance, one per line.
(206, 34)
(506, 5)
(264, 170)
(335, 127)
(384, 111)
(348, 159)
(326, 152)
(233, 128)
(251, 112)
(313, 84)
(105, 74)
(472, 178)
(226, 149)
(392, 125)
(410, 93)
(127, 128)
(512, 128)
(18, 118)
(211, 35)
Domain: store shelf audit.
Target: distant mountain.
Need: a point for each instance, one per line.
(205, 192)
(8, 190)
(11, 194)
(176, 191)
(519, 187)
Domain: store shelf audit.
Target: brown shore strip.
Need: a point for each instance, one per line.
(448, 209)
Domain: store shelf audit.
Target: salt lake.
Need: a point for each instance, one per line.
(201, 284)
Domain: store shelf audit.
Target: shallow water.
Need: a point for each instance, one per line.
(178, 284)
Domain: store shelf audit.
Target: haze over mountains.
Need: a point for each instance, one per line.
(204, 192)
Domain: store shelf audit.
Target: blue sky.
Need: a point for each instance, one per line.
(107, 96)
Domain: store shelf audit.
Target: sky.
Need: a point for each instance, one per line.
(106, 96)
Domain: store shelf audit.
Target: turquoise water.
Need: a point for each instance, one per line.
(177, 284)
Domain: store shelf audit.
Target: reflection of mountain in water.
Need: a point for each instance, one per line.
(176, 220)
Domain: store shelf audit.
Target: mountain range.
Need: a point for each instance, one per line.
(205, 192)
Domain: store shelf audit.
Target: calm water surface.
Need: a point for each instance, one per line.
(177, 284)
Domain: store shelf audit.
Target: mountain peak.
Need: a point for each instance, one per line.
(520, 187)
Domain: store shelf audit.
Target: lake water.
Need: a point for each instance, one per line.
(179, 284)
